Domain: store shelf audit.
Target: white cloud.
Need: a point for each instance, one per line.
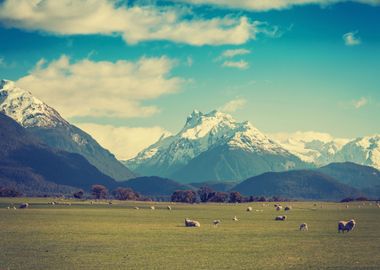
(233, 105)
(234, 52)
(264, 5)
(360, 102)
(236, 64)
(124, 142)
(134, 23)
(351, 39)
(109, 89)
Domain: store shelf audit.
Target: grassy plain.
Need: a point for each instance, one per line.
(117, 236)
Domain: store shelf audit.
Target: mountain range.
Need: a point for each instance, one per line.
(234, 151)
(47, 124)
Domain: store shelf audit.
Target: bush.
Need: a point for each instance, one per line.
(362, 199)
(220, 197)
(205, 193)
(185, 196)
(235, 197)
(348, 199)
(99, 191)
(125, 194)
(9, 192)
(79, 194)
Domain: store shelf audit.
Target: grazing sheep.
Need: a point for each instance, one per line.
(282, 218)
(110, 202)
(8, 208)
(169, 207)
(346, 225)
(304, 227)
(216, 222)
(249, 209)
(378, 205)
(14, 208)
(152, 208)
(191, 223)
(137, 208)
(24, 205)
(91, 202)
(287, 208)
(278, 208)
(346, 206)
(235, 218)
(276, 205)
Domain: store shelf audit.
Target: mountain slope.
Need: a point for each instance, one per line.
(29, 164)
(212, 147)
(301, 184)
(365, 178)
(155, 186)
(364, 151)
(46, 123)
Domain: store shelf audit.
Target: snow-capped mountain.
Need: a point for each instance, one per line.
(47, 124)
(313, 147)
(26, 109)
(364, 151)
(217, 133)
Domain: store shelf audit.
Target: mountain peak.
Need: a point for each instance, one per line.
(25, 108)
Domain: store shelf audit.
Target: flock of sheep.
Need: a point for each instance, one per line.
(343, 226)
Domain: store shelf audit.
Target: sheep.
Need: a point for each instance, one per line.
(191, 223)
(8, 208)
(235, 218)
(278, 208)
(216, 222)
(169, 207)
(152, 208)
(24, 205)
(346, 206)
(92, 202)
(137, 208)
(276, 205)
(282, 218)
(346, 225)
(249, 209)
(110, 202)
(14, 208)
(304, 227)
(287, 208)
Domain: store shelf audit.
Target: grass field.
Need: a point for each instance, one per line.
(102, 236)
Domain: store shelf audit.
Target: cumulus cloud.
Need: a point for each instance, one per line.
(124, 142)
(264, 5)
(134, 23)
(360, 102)
(234, 52)
(233, 105)
(236, 64)
(351, 39)
(108, 89)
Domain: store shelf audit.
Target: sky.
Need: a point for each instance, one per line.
(129, 71)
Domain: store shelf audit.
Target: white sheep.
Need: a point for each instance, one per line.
(191, 223)
(152, 208)
(137, 208)
(216, 222)
(304, 227)
(14, 208)
(8, 208)
(24, 205)
(282, 218)
(279, 207)
(169, 207)
(235, 218)
(346, 225)
(249, 209)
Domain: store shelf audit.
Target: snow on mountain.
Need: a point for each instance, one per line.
(200, 133)
(364, 151)
(313, 147)
(26, 109)
(47, 124)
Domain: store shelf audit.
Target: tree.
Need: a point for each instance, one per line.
(205, 193)
(236, 197)
(79, 194)
(125, 194)
(9, 192)
(185, 196)
(99, 191)
(220, 197)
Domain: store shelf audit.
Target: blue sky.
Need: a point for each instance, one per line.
(297, 67)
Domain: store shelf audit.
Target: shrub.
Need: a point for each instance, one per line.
(99, 191)
(125, 194)
(79, 194)
(185, 196)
